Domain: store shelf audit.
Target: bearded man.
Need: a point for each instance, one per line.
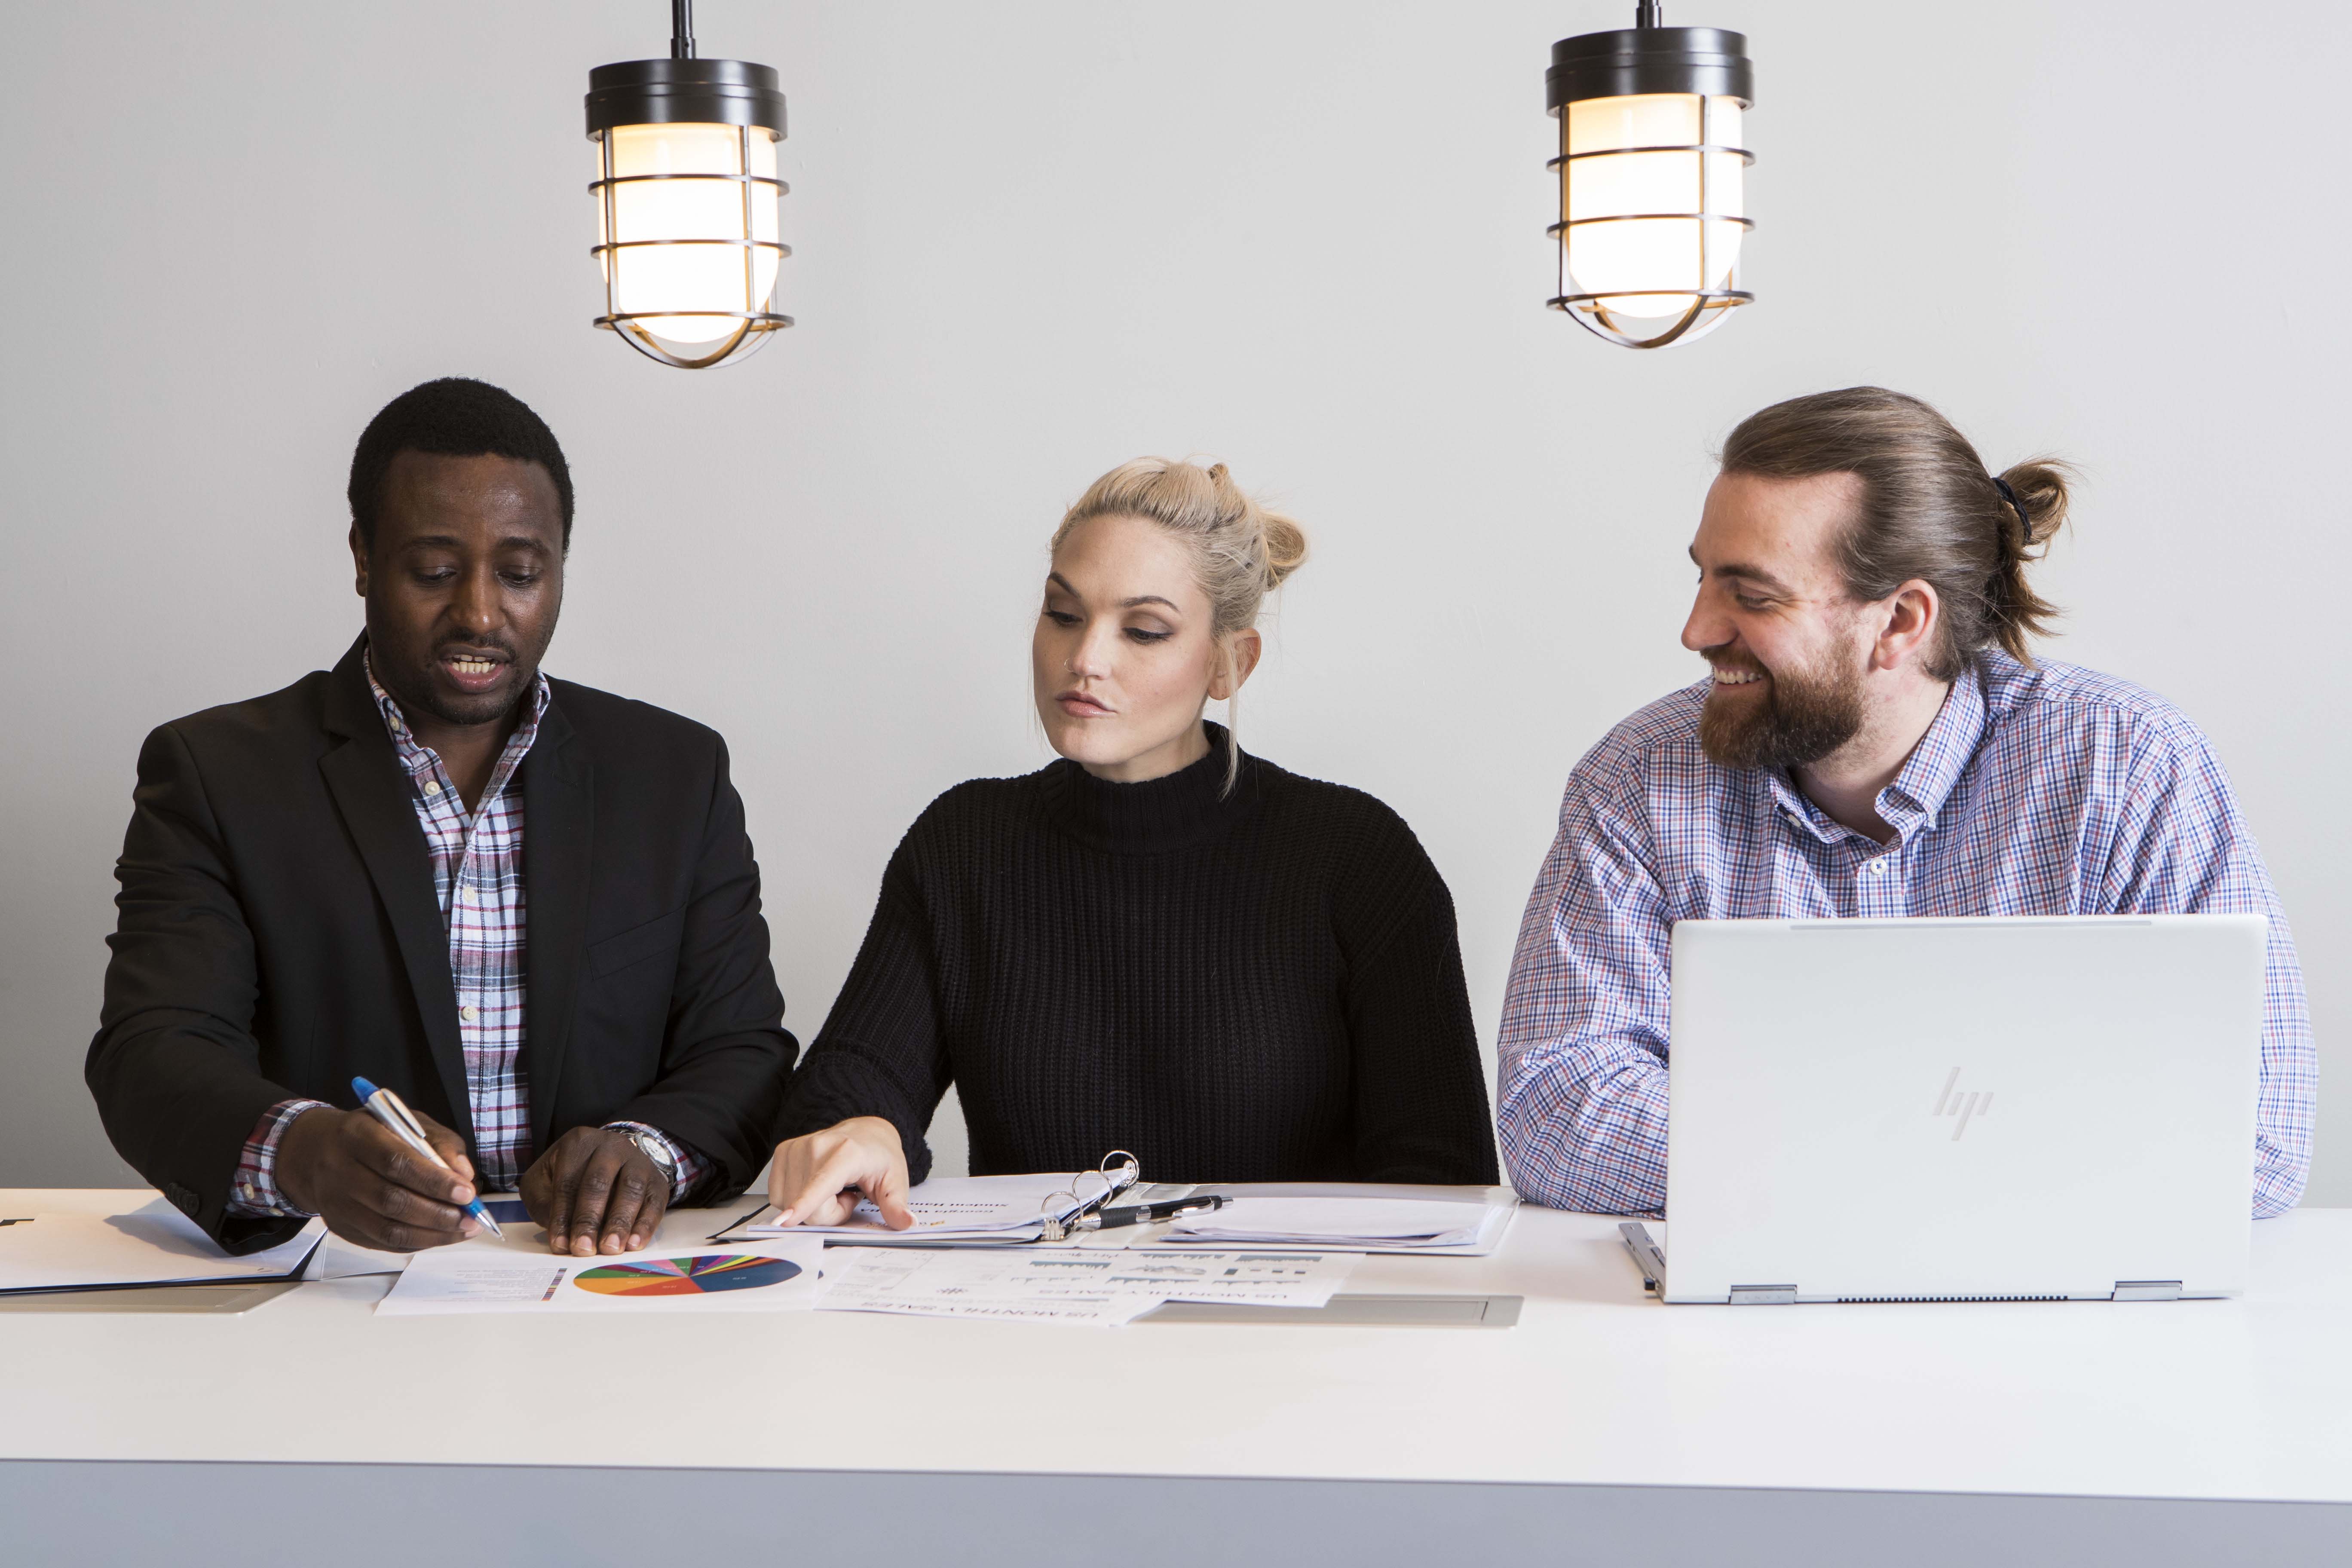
(1875, 741)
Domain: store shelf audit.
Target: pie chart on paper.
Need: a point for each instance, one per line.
(686, 1276)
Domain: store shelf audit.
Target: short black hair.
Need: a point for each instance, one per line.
(456, 417)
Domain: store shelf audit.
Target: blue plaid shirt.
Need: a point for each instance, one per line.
(2049, 791)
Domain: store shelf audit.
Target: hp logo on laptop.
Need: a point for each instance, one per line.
(1965, 1104)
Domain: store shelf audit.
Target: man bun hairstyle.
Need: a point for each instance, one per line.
(455, 416)
(1241, 552)
(1928, 509)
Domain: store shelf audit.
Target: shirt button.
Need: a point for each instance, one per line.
(432, 787)
(469, 1011)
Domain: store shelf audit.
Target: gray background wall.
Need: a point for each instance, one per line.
(1036, 239)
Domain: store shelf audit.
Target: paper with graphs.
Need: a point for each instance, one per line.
(1065, 1285)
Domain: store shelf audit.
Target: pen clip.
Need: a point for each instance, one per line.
(399, 1108)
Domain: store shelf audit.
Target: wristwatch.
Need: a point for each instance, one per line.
(655, 1150)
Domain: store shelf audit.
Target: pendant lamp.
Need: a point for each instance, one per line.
(687, 199)
(1652, 208)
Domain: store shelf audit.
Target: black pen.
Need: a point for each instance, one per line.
(1149, 1214)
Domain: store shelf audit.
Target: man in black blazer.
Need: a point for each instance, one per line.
(528, 907)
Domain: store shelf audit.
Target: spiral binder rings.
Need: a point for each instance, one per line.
(1066, 1211)
(975, 1211)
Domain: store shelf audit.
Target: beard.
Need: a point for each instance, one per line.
(1803, 713)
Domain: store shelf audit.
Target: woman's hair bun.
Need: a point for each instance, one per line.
(1285, 547)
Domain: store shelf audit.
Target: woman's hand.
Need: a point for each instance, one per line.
(818, 1178)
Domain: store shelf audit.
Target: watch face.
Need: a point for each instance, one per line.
(655, 1153)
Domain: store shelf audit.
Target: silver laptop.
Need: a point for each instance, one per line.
(1961, 1109)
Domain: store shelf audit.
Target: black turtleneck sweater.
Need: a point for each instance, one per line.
(1259, 986)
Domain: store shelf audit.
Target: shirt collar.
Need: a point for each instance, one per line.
(1920, 791)
(415, 758)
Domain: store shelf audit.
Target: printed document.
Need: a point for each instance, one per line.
(153, 1245)
(946, 1208)
(1098, 1288)
(1055, 1286)
(1466, 1221)
(489, 1275)
(1303, 1221)
(1261, 1278)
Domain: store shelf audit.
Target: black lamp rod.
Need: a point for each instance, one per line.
(681, 29)
(1646, 13)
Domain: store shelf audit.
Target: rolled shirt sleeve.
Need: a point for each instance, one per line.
(252, 1191)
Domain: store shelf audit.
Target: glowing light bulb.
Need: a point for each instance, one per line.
(687, 202)
(1652, 179)
(694, 211)
(1653, 264)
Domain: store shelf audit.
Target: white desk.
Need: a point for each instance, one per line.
(1602, 1426)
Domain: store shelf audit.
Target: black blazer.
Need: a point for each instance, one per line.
(278, 934)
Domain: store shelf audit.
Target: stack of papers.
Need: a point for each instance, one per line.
(1466, 1221)
(1333, 1222)
(156, 1245)
(1350, 1216)
(1057, 1286)
(1007, 1209)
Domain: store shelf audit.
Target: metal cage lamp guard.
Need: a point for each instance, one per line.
(687, 202)
(1652, 179)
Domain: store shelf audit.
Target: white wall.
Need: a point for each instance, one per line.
(1034, 240)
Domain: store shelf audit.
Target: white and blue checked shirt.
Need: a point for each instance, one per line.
(478, 880)
(2049, 791)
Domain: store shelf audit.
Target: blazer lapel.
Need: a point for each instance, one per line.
(559, 798)
(363, 775)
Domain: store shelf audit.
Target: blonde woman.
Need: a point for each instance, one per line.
(1158, 942)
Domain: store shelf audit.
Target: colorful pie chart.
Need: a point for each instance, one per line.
(686, 1276)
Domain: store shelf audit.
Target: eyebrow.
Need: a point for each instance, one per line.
(1746, 573)
(1123, 603)
(451, 542)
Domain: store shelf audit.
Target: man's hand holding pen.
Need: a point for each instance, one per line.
(370, 1188)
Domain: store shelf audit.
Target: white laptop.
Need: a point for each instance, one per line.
(1961, 1109)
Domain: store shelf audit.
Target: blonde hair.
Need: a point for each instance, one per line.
(1239, 550)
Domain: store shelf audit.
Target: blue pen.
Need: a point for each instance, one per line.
(387, 1108)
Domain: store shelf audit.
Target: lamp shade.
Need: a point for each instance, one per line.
(1653, 179)
(686, 205)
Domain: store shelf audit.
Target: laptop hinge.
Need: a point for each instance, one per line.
(2147, 1290)
(1763, 1295)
